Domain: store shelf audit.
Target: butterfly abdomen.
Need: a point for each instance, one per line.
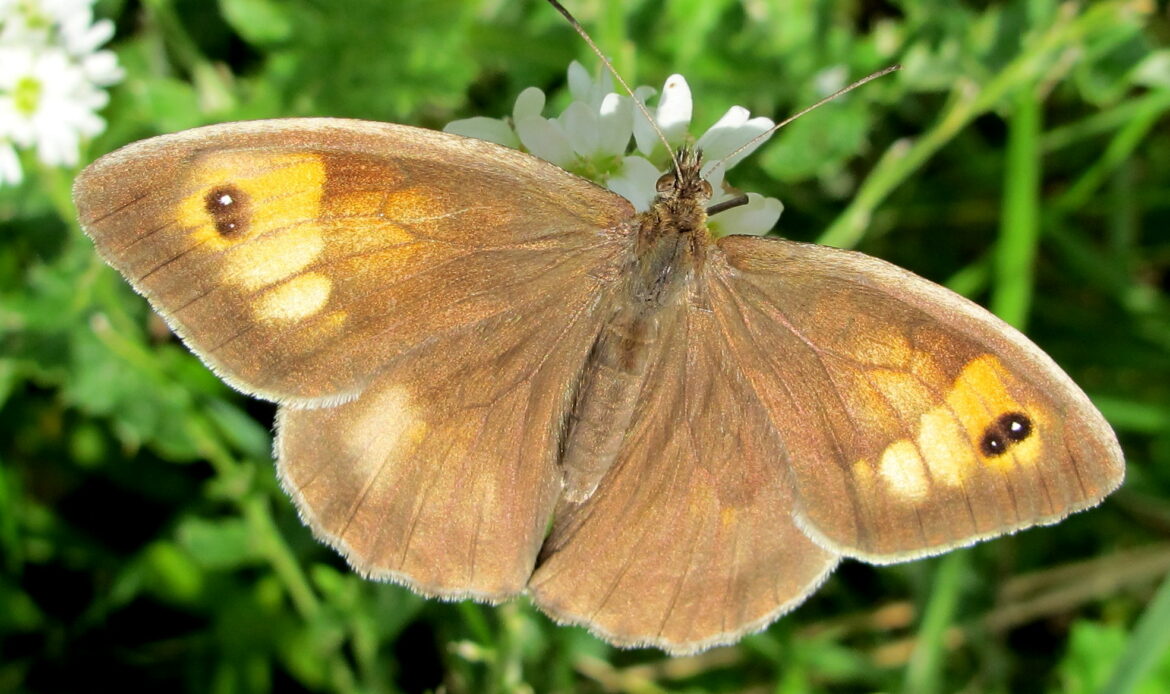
(606, 396)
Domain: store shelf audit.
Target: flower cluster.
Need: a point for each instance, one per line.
(52, 80)
(592, 138)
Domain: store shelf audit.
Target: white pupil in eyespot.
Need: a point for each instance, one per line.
(225, 200)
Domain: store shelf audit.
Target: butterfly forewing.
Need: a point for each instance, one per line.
(913, 420)
(298, 257)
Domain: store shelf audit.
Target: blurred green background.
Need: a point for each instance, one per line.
(1022, 157)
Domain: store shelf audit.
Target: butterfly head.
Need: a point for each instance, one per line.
(685, 182)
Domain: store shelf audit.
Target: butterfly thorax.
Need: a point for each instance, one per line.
(672, 235)
(668, 251)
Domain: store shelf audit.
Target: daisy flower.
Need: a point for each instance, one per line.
(592, 138)
(53, 81)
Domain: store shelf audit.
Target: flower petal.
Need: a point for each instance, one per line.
(585, 88)
(731, 131)
(757, 217)
(580, 82)
(483, 128)
(675, 109)
(636, 181)
(579, 122)
(644, 136)
(615, 123)
(546, 139)
(728, 134)
(530, 102)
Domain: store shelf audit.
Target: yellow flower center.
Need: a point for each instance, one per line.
(26, 95)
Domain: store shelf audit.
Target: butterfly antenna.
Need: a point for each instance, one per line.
(768, 133)
(609, 66)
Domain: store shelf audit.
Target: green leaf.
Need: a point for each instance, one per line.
(262, 22)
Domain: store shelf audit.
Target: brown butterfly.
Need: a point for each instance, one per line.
(469, 344)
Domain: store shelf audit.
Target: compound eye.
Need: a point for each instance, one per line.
(665, 182)
(705, 188)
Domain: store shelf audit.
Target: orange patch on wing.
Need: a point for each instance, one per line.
(979, 396)
(926, 368)
(863, 475)
(282, 189)
(367, 236)
(386, 434)
(412, 205)
(359, 203)
(946, 448)
(881, 347)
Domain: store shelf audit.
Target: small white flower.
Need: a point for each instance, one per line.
(81, 35)
(47, 103)
(52, 80)
(592, 137)
(102, 68)
(587, 89)
(592, 133)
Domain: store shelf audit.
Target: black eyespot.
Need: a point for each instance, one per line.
(1015, 426)
(992, 445)
(229, 206)
(1006, 431)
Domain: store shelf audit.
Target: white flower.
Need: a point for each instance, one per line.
(51, 84)
(46, 102)
(592, 138)
(33, 22)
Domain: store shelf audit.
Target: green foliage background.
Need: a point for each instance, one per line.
(1021, 157)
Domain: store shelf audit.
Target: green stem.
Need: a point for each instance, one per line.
(1011, 296)
(924, 671)
(1119, 149)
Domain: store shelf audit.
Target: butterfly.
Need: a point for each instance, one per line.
(495, 377)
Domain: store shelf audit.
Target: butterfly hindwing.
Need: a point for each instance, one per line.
(442, 475)
(690, 539)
